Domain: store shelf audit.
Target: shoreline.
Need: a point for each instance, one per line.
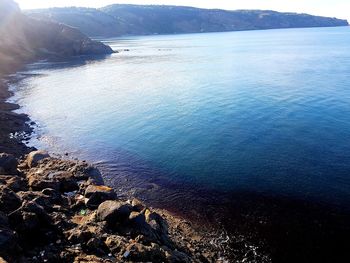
(197, 244)
(12, 122)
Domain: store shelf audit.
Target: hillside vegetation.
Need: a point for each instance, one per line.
(116, 20)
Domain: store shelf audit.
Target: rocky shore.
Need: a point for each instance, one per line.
(54, 210)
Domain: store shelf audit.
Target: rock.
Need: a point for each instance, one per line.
(177, 257)
(46, 201)
(9, 200)
(116, 243)
(4, 222)
(8, 241)
(137, 205)
(159, 228)
(79, 235)
(140, 253)
(35, 157)
(83, 171)
(113, 212)
(83, 233)
(90, 259)
(137, 219)
(8, 164)
(38, 182)
(58, 180)
(157, 221)
(97, 194)
(67, 181)
(97, 246)
(31, 221)
(54, 195)
(15, 183)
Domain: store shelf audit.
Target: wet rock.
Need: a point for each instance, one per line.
(9, 200)
(8, 164)
(113, 212)
(116, 244)
(83, 171)
(97, 194)
(35, 157)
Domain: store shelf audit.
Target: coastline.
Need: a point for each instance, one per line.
(11, 122)
(179, 240)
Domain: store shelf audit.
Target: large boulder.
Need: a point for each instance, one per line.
(113, 212)
(8, 164)
(97, 194)
(35, 157)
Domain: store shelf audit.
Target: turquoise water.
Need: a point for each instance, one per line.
(258, 111)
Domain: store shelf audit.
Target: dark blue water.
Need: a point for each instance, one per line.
(258, 111)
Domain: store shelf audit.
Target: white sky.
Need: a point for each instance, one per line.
(332, 8)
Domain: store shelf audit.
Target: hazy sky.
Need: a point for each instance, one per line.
(333, 8)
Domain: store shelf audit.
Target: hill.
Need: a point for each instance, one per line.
(24, 39)
(116, 20)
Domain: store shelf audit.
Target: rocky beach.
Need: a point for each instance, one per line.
(54, 210)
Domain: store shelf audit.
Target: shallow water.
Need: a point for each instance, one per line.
(258, 111)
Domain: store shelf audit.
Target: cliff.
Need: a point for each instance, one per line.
(24, 39)
(116, 20)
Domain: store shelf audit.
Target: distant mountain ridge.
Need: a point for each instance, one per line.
(124, 19)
